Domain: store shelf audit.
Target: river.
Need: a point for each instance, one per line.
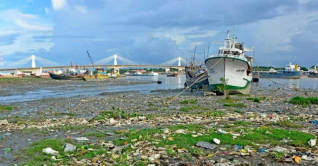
(71, 89)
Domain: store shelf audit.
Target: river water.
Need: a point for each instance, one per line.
(71, 90)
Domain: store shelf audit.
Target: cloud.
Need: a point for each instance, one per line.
(158, 31)
(58, 4)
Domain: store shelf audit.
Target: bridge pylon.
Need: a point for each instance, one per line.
(33, 61)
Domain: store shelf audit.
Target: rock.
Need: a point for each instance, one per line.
(50, 151)
(81, 139)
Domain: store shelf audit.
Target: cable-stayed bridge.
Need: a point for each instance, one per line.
(176, 63)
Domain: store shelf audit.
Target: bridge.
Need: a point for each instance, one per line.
(47, 64)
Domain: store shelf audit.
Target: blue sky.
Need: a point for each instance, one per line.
(156, 31)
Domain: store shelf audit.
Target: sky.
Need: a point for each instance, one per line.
(156, 31)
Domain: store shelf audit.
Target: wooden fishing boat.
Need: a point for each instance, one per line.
(66, 76)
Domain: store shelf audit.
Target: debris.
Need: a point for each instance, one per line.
(217, 141)
(81, 139)
(69, 147)
(180, 131)
(206, 145)
(278, 149)
(50, 151)
(313, 121)
(4, 122)
(297, 159)
(312, 142)
(262, 150)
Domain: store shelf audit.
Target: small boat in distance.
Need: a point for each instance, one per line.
(175, 74)
(313, 73)
(196, 75)
(66, 76)
(153, 73)
(290, 72)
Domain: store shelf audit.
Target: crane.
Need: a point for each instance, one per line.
(90, 58)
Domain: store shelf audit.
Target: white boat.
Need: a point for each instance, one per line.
(230, 72)
(153, 74)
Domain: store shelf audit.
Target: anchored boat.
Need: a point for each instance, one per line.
(290, 72)
(230, 71)
(66, 76)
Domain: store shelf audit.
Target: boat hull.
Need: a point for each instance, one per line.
(281, 74)
(195, 79)
(65, 77)
(313, 75)
(233, 71)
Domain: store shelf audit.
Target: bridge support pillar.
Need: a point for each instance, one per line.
(33, 61)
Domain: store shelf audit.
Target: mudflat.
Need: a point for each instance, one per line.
(162, 127)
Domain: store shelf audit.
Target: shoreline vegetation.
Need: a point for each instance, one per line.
(266, 127)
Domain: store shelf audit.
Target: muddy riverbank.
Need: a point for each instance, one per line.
(101, 117)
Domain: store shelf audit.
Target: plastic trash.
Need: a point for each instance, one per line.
(69, 147)
(297, 159)
(312, 142)
(217, 141)
(8, 149)
(262, 150)
(50, 151)
(81, 139)
(313, 121)
(238, 147)
(206, 145)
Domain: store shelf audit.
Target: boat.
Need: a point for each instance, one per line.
(230, 72)
(196, 74)
(290, 72)
(65, 76)
(313, 73)
(153, 74)
(175, 74)
(99, 73)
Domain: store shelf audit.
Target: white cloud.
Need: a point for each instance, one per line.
(276, 34)
(25, 28)
(58, 4)
(28, 26)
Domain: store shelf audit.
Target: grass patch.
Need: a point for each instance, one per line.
(239, 111)
(303, 100)
(252, 137)
(286, 123)
(226, 101)
(95, 134)
(6, 108)
(243, 123)
(191, 101)
(234, 105)
(186, 109)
